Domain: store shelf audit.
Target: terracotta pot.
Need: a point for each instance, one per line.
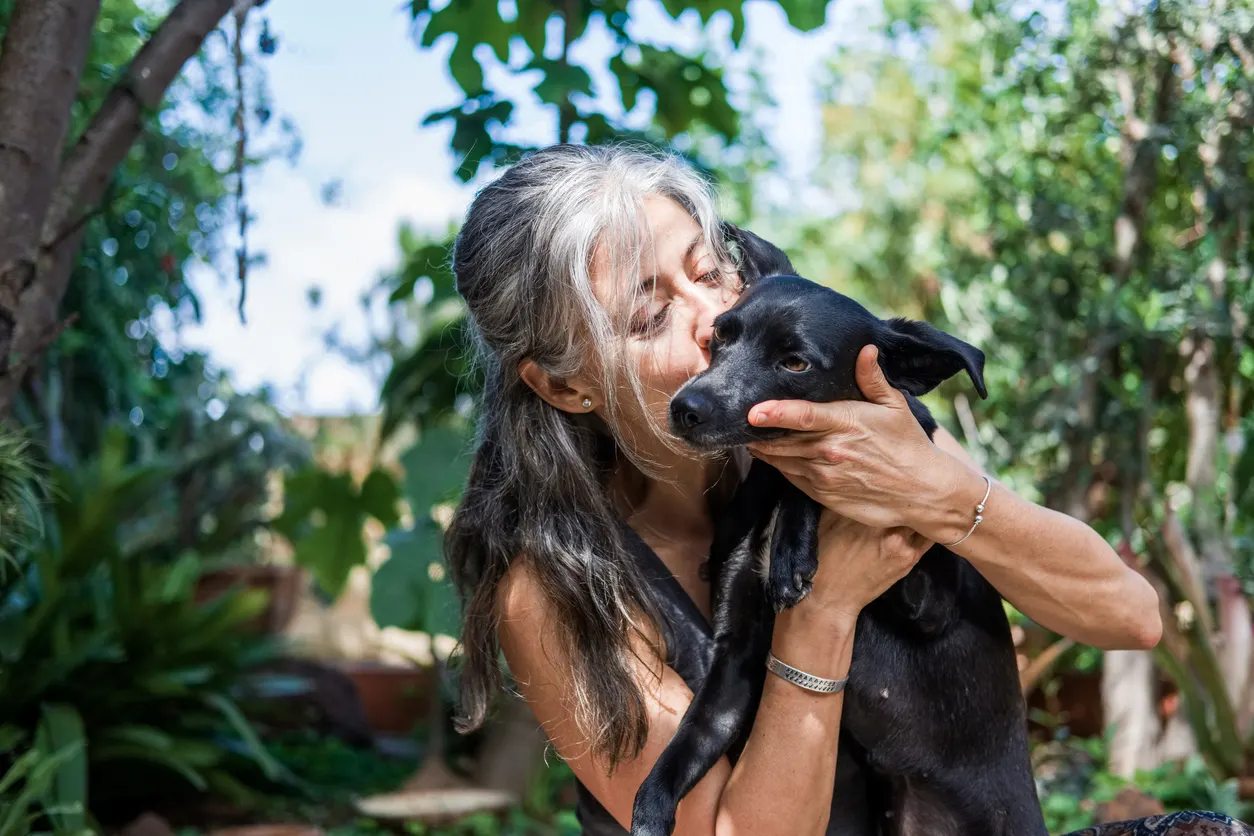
(282, 585)
(395, 698)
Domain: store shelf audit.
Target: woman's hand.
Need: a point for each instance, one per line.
(858, 563)
(868, 461)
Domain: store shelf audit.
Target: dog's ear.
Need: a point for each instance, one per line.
(758, 257)
(917, 358)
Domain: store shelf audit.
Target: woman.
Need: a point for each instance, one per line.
(592, 277)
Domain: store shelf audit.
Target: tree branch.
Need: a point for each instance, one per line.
(241, 152)
(90, 166)
(1141, 143)
(44, 51)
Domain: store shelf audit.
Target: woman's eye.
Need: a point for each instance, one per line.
(712, 277)
(646, 323)
(796, 364)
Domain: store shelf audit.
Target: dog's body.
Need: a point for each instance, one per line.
(932, 704)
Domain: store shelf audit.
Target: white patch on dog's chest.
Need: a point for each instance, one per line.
(762, 552)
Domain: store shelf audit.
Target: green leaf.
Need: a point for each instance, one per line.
(379, 497)
(61, 730)
(560, 81)
(434, 468)
(332, 549)
(412, 590)
(805, 15)
(465, 68)
(532, 23)
(629, 81)
(230, 711)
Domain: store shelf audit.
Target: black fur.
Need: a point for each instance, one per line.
(933, 703)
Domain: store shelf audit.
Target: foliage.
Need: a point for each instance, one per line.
(45, 780)
(1073, 778)
(1070, 188)
(20, 491)
(323, 515)
(687, 91)
(432, 374)
(93, 622)
(412, 589)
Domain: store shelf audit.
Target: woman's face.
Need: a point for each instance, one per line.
(668, 335)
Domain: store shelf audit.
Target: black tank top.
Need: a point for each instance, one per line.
(689, 642)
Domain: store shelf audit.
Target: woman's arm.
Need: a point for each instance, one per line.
(783, 780)
(1055, 569)
(871, 461)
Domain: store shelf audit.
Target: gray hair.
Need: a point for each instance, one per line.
(539, 487)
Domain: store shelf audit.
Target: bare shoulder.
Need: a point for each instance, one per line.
(520, 596)
(531, 640)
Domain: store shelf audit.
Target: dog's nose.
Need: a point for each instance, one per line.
(690, 409)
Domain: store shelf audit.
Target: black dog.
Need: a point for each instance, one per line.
(933, 707)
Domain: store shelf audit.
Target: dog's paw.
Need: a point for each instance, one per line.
(653, 813)
(785, 592)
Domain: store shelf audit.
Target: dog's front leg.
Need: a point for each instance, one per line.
(721, 712)
(794, 548)
(722, 709)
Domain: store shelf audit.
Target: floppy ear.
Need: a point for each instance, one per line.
(758, 257)
(917, 358)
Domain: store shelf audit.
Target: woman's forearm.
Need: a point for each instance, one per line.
(782, 783)
(1055, 569)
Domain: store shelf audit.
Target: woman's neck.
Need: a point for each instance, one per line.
(675, 506)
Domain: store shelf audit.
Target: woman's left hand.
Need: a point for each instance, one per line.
(869, 460)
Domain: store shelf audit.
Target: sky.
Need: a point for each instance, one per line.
(357, 87)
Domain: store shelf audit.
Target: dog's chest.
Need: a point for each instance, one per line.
(752, 552)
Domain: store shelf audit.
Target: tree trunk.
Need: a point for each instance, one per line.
(41, 62)
(87, 171)
(1128, 685)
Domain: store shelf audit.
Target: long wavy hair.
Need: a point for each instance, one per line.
(540, 481)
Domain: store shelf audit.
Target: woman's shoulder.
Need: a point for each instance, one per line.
(521, 593)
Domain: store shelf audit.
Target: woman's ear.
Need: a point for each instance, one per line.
(556, 392)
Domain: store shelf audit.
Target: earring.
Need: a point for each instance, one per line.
(587, 403)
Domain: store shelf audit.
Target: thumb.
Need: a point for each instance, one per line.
(875, 387)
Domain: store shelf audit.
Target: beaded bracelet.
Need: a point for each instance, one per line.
(979, 514)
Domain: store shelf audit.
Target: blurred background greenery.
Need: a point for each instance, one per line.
(216, 613)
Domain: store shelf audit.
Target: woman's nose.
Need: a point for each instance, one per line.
(708, 305)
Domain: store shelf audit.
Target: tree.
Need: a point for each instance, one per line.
(48, 193)
(690, 96)
(1071, 188)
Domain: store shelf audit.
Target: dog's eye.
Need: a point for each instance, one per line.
(716, 335)
(796, 364)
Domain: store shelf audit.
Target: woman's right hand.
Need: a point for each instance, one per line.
(858, 563)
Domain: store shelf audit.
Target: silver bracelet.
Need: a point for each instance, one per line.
(979, 514)
(802, 679)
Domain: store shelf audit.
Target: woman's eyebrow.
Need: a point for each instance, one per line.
(650, 282)
(693, 244)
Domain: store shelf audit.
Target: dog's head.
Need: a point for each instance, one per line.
(788, 338)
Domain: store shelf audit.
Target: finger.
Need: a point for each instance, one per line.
(788, 465)
(801, 415)
(796, 445)
(875, 387)
(918, 541)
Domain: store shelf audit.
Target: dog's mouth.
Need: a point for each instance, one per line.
(714, 438)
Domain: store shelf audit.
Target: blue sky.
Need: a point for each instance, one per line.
(357, 86)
